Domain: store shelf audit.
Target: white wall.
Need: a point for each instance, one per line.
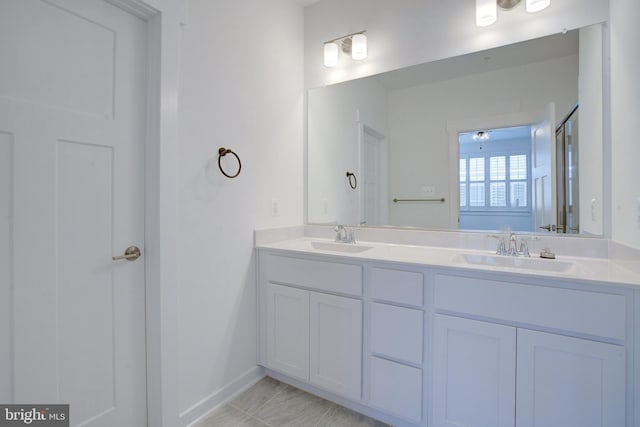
(418, 118)
(590, 131)
(241, 87)
(625, 121)
(334, 116)
(409, 32)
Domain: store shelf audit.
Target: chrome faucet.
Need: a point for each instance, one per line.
(343, 235)
(512, 249)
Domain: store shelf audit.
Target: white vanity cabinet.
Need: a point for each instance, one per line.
(312, 334)
(419, 346)
(501, 372)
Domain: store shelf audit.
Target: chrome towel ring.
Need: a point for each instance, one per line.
(353, 182)
(223, 152)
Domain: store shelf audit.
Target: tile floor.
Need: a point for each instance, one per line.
(271, 403)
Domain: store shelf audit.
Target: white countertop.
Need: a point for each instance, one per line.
(599, 270)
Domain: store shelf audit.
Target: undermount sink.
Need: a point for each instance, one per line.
(340, 247)
(537, 264)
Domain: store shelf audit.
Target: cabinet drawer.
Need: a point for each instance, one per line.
(397, 332)
(396, 388)
(404, 287)
(321, 275)
(591, 313)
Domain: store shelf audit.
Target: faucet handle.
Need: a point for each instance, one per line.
(524, 245)
(502, 246)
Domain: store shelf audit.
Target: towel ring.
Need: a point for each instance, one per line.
(353, 183)
(223, 152)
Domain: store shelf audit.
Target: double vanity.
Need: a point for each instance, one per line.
(435, 329)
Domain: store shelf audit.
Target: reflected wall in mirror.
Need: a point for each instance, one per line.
(400, 133)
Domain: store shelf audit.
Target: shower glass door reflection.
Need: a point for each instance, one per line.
(567, 173)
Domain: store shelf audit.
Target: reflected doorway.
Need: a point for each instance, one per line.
(374, 166)
(495, 179)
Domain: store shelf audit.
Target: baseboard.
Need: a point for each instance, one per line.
(209, 404)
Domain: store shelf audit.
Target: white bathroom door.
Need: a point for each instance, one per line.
(543, 165)
(72, 130)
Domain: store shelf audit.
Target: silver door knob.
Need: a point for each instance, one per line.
(132, 253)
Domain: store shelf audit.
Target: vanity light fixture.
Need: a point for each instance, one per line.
(353, 44)
(487, 10)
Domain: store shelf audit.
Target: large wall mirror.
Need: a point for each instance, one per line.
(509, 137)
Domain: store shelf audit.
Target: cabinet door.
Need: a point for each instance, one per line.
(336, 344)
(569, 382)
(473, 374)
(288, 330)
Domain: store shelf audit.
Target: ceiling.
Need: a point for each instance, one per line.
(555, 46)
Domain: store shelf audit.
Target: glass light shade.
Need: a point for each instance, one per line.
(537, 5)
(331, 54)
(359, 47)
(486, 12)
(481, 136)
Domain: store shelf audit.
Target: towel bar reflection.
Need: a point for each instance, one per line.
(441, 200)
